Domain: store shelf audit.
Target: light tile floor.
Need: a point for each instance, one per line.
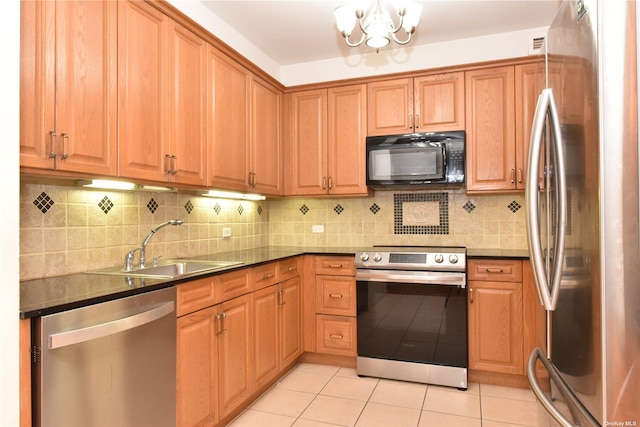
(318, 395)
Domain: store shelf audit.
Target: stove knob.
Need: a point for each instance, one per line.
(377, 257)
(364, 256)
(439, 258)
(453, 259)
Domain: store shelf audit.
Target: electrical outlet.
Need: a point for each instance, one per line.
(226, 232)
(317, 228)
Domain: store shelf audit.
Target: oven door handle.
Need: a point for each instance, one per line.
(415, 277)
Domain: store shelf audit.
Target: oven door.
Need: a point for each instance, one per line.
(412, 316)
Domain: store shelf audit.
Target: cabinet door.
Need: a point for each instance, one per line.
(309, 142)
(495, 327)
(68, 86)
(187, 106)
(265, 330)
(235, 355)
(142, 90)
(336, 335)
(347, 133)
(390, 107)
(290, 319)
(490, 129)
(266, 167)
(527, 90)
(196, 369)
(439, 102)
(228, 125)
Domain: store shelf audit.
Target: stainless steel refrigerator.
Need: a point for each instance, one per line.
(582, 217)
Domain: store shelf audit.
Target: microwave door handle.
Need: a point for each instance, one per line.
(532, 197)
(561, 197)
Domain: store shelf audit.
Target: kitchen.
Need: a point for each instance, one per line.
(347, 221)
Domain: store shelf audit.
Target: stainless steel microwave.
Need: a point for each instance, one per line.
(415, 160)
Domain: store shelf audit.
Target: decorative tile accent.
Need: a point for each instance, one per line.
(514, 206)
(259, 210)
(304, 209)
(415, 213)
(217, 208)
(240, 209)
(188, 206)
(469, 206)
(152, 205)
(43, 202)
(338, 209)
(374, 208)
(105, 204)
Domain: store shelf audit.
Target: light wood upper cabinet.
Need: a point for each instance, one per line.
(68, 108)
(328, 135)
(490, 116)
(244, 129)
(529, 82)
(161, 83)
(432, 103)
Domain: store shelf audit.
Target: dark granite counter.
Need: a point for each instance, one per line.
(51, 295)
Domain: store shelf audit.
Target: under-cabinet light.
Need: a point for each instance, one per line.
(233, 195)
(121, 185)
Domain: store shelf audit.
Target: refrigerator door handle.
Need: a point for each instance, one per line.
(576, 409)
(547, 292)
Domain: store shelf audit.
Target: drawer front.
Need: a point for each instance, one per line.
(233, 284)
(195, 295)
(337, 265)
(336, 295)
(336, 335)
(265, 275)
(495, 270)
(289, 268)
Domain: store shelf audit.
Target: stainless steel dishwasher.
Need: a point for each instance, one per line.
(108, 364)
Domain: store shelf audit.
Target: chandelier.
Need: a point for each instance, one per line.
(375, 22)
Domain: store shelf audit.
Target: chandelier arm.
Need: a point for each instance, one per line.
(395, 39)
(394, 29)
(346, 39)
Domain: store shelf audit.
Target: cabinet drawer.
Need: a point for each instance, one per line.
(337, 265)
(265, 275)
(233, 284)
(495, 270)
(195, 295)
(289, 268)
(336, 295)
(336, 335)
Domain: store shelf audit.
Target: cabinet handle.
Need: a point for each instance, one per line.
(292, 268)
(52, 136)
(410, 121)
(336, 336)
(470, 295)
(252, 179)
(513, 176)
(335, 265)
(281, 297)
(324, 182)
(174, 162)
(494, 270)
(65, 138)
(217, 322)
(223, 322)
(167, 164)
(335, 295)
(330, 183)
(417, 121)
(266, 276)
(519, 175)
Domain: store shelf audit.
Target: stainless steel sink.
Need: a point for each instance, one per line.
(169, 269)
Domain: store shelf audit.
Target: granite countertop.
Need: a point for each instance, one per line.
(41, 297)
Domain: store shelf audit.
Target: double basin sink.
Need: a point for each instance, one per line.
(169, 269)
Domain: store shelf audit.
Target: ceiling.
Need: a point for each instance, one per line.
(293, 32)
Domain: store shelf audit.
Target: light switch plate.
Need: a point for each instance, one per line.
(226, 232)
(317, 228)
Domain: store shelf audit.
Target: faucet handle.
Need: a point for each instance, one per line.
(155, 260)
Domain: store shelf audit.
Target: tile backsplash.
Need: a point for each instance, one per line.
(65, 229)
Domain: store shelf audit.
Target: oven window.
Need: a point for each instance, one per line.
(412, 323)
(406, 163)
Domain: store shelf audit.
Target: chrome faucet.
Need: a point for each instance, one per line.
(128, 259)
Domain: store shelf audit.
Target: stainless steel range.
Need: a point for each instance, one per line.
(412, 314)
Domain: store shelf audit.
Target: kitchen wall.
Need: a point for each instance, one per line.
(66, 229)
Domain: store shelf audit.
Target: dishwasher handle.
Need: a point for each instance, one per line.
(88, 333)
